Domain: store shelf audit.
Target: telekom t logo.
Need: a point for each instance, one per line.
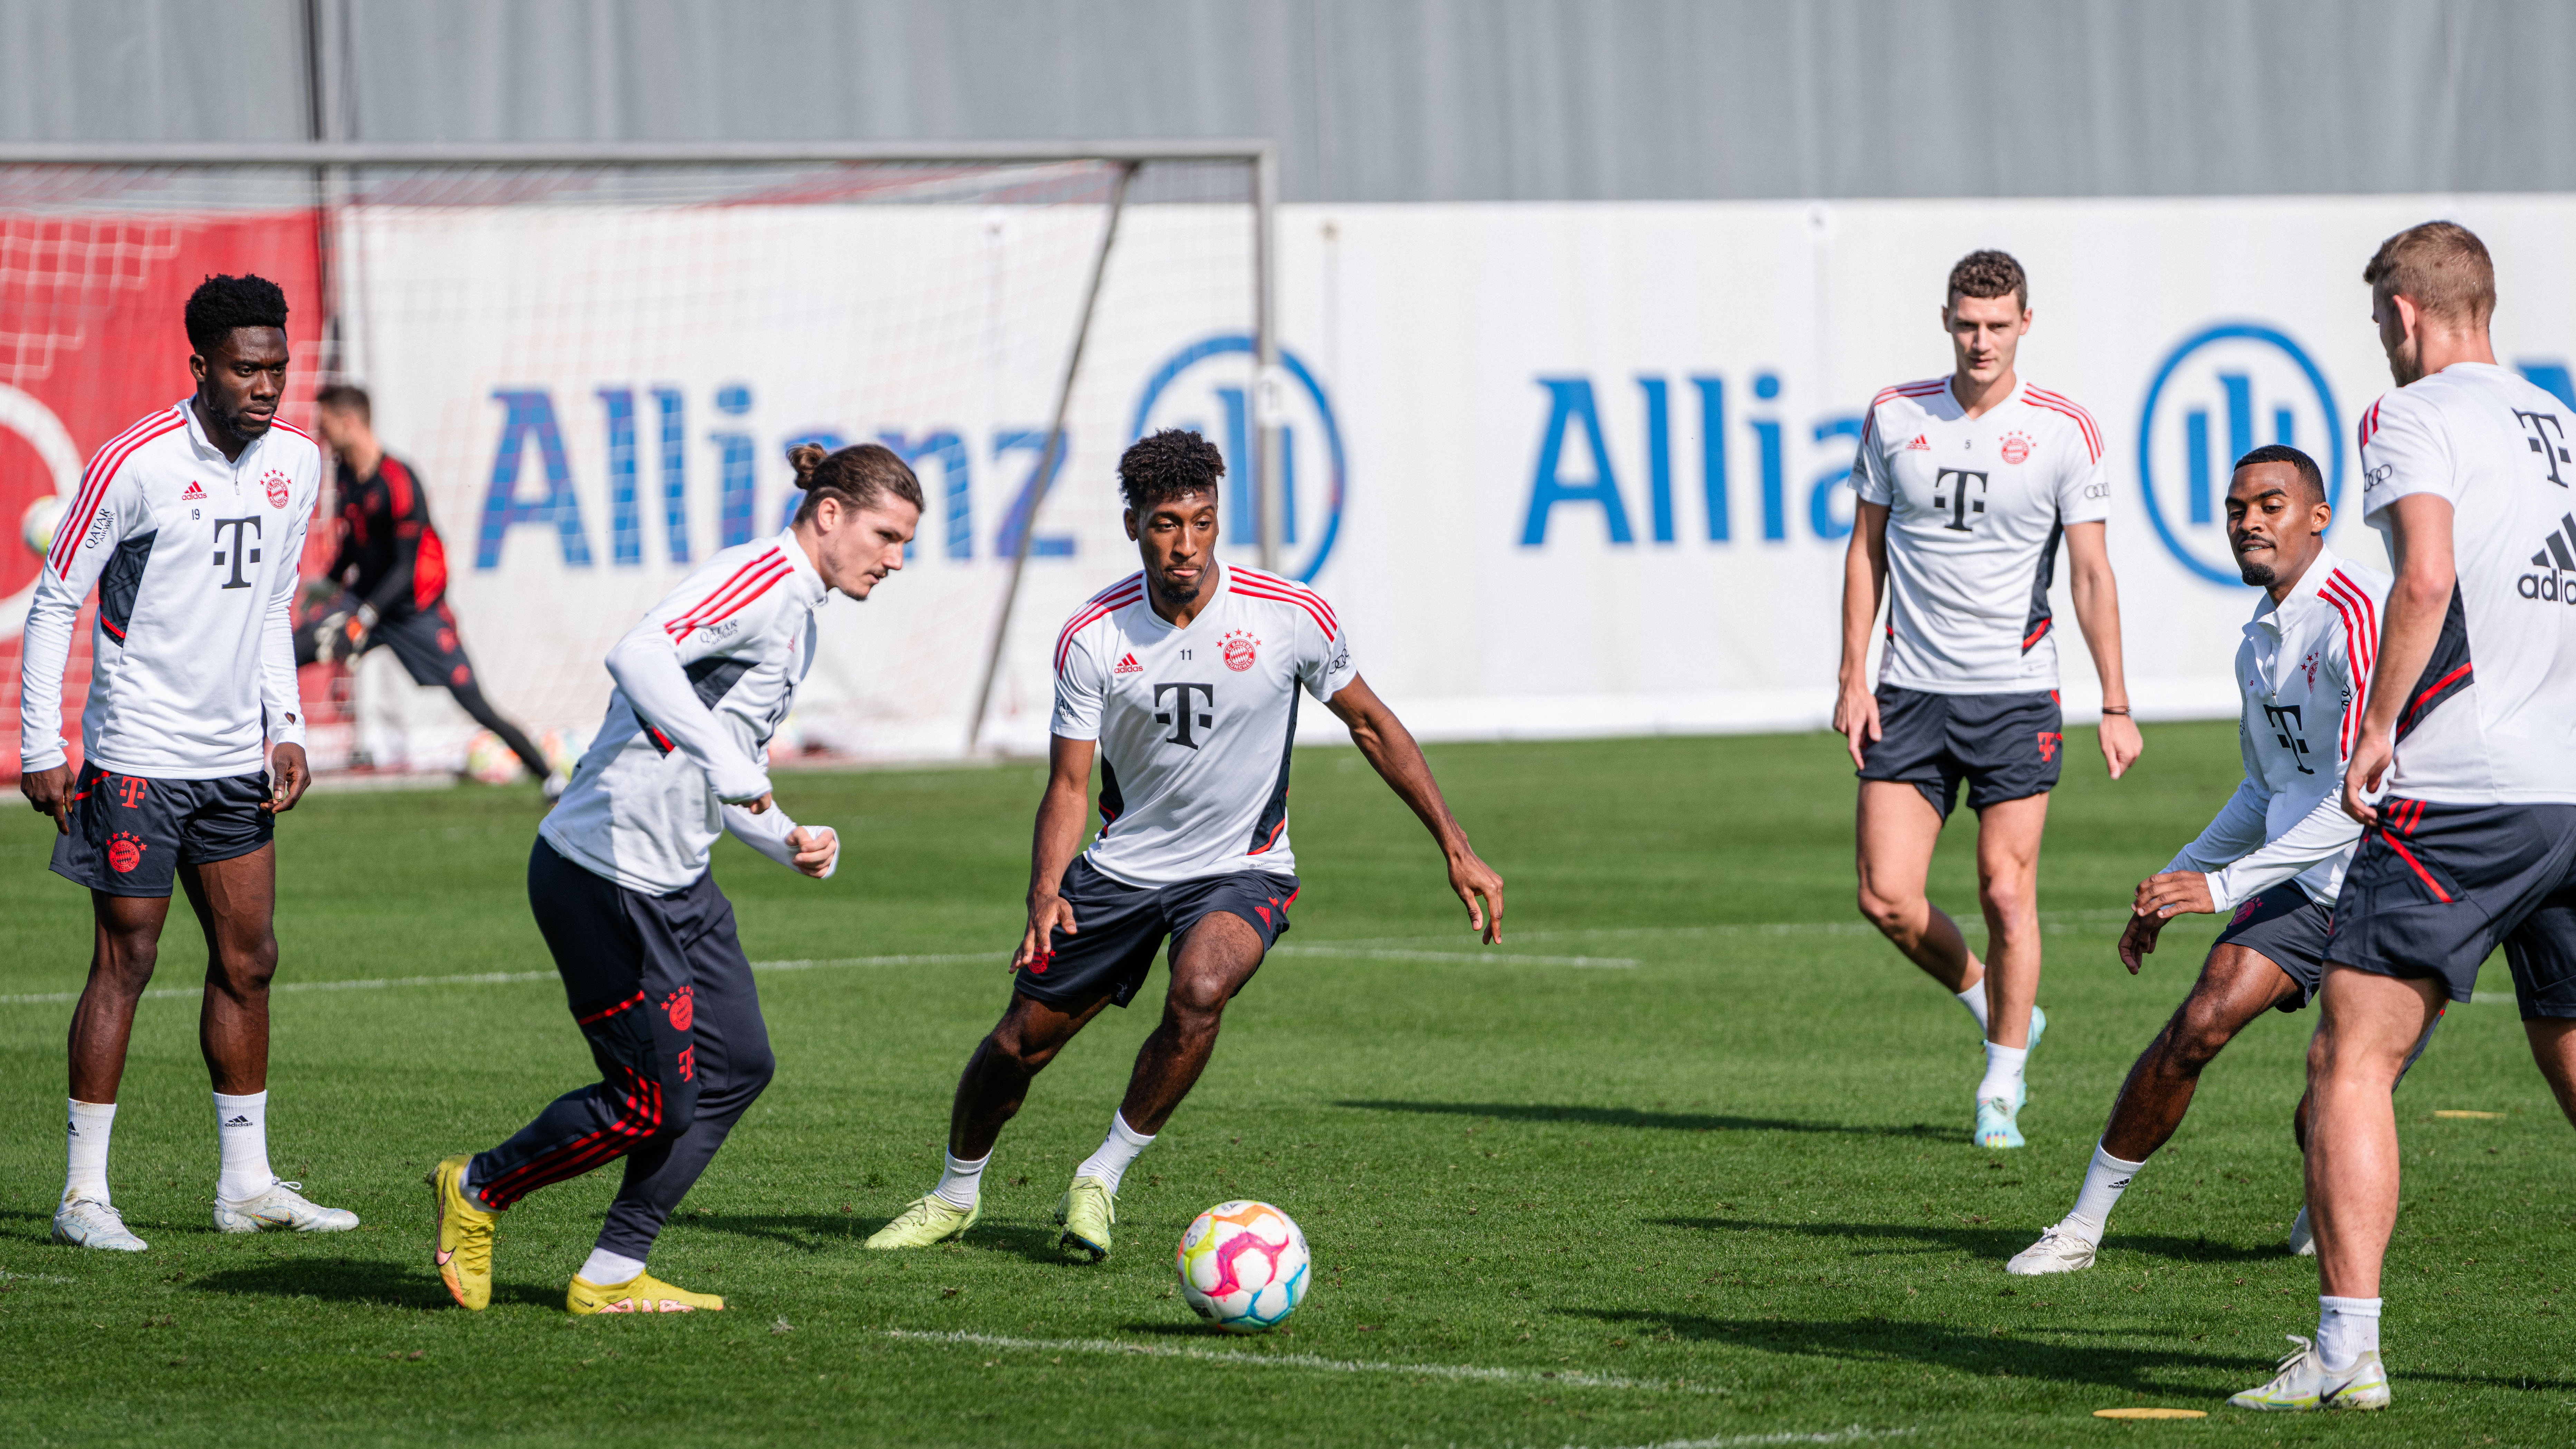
(131, 788)
(238, 552)
(1181, 716)
(2548, 438)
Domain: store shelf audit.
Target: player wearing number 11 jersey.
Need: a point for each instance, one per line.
(1182, 679)
(1966, 486)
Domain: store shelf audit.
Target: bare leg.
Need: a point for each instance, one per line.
(2369, 1025)
(1216, 958)
(2008, 891)
(236, 904)
(127, 943)
(2553, 1045)
(2236, 986)
(996, 1079)
(1897, 830)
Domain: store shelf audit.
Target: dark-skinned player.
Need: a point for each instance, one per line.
(1182, 680)
(189, 525)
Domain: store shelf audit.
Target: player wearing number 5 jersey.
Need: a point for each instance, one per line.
(652, 970)
(2470, 472)
(1966, 486)
(1183, 681)
(189, 524)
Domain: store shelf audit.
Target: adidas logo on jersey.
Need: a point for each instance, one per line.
(2557, 560)
(194, 494)
(1921, 442)
(1128, 665)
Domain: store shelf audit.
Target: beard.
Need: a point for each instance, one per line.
(233, 421)
(1175, 592)
(2260, 575)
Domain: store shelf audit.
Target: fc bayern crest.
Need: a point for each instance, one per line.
(275, 483)
(2016, 449)
(1240, 650)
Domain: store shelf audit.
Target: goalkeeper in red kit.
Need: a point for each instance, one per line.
(392, 572)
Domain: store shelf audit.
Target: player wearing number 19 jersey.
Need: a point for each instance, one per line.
(1183, 680)
(1966, 486)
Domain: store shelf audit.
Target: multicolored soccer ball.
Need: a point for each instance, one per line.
(490, 761)
(36, 526)
(1243, 1266)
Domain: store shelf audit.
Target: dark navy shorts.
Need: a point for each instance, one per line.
(1119, 927)
(2006, 746)
(129, 833)
(2434, 889)
(2287, 929)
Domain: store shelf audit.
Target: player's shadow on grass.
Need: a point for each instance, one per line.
(340, 1280)
(836, 1233)
(1996, 1244)
(1658, 1121)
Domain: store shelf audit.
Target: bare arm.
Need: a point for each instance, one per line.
(1391, 750)
(1864, 584)
(2097, 613)
(2410, 625)
(1062, 813)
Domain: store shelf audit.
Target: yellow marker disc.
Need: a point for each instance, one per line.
(2472, 1116)
(2150, 1414)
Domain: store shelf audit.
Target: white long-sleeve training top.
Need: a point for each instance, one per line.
(702, 683)
(2304, 671)
(194, 558)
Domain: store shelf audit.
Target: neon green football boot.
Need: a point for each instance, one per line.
(1088, 1210)
(930, 1219)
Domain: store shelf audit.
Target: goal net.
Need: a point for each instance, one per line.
(595, 371)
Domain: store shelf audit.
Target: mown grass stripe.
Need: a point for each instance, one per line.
(1315, 1362)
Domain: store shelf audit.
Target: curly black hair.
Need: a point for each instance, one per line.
(1173, 463)
(221, 304)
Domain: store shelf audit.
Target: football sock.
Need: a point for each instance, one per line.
(961, 1183)
(1117, 1150)
(86, 1148)
(2003, 1071)
(241, 1131)
(2104, 1181)
(607, 1269)
(2347, 1328)
(1974, 998)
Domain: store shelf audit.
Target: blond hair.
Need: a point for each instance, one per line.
(2441, 267)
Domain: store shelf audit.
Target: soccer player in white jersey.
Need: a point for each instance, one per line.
(1182, 680)
(652, 970)
(190, 524)
(1966, 484)
(2274, 855)
(2470, 732)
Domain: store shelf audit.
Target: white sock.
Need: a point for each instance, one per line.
(85, 1138)
(2104, 1181)
(606, 1269)
(2347, 1328)
(2003, 1072)
(241, 1132)
(1117, 1150)
(1974, 998)
(961, 1183)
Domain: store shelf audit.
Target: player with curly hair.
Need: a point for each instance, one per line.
(1182, 680)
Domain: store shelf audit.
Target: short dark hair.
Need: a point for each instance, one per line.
(1173, 463)
(221, 304)
(348, 397)
(2309, 478)
(1988, 274)
(858, 475)
(2441, 267)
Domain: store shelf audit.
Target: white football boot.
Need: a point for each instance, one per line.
(281, 1206)
(2057, 1251)
(85, 1222)
(2303, 1243)
(2305, 1383)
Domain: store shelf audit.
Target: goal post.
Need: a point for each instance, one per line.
(596, 356)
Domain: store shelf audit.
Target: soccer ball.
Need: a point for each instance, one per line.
(563, 747)
(36, 526)
(490, 761)
(1243, 1266)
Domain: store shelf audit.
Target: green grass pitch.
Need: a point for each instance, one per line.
(1686, 1160)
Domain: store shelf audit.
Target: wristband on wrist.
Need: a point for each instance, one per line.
(2115, 709)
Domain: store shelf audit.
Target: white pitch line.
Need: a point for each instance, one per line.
(1310, 1361)
(1378, 953)
(498, 978)
(1852, 1435)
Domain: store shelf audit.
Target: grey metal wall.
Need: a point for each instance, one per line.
(1399, 100)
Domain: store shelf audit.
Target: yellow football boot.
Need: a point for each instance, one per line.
(927, 1221)
(1087, 1210)
(464, 1250)
(642, 1293)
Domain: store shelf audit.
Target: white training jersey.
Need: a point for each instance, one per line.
(2492, 719)
(1195, 725)
(192, 670)
(702, 683)
(2304, 671)
(1975, 507)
